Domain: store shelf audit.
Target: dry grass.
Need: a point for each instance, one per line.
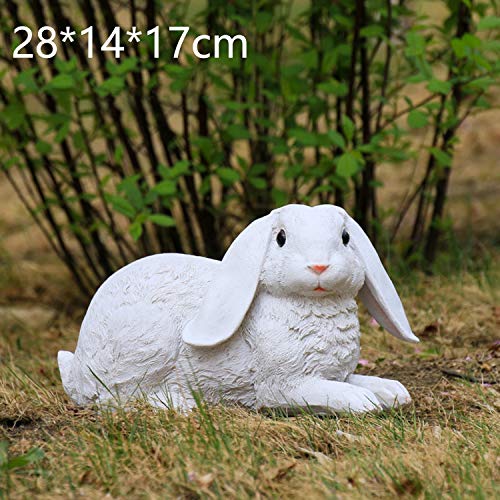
(446, 444)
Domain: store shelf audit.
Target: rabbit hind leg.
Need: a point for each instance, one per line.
(171, 399)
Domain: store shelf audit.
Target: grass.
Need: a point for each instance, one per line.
(446, 444)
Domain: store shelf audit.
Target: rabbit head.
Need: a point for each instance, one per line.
(297, 250)
(310, 254)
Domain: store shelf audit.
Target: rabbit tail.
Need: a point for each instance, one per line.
(79, 386)
(65, 361)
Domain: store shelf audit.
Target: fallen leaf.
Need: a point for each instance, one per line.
(494, 347)
(365, 362)
(280, 471)
(437, 431)
(202, 481)
(85, 477)
(496, 313)
(346, 435)
(430, 330)
(320, 457)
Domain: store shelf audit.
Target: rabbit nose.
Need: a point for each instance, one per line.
(318, 268)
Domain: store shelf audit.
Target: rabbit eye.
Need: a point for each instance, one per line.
(281, 238)
(345, 237)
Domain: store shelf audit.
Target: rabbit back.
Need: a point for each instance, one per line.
(130, 338)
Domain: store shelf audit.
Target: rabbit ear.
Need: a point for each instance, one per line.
(378, 293)
(233, 287)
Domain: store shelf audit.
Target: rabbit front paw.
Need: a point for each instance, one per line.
(320, 397)
(360, 400)
(390, 393)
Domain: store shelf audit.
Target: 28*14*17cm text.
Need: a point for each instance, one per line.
(46, 48)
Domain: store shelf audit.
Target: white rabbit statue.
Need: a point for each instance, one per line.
(272, 325)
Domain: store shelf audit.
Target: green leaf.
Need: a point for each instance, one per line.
(303, 136)
(442, 157)
(439, 86)
(483, 103)
(13, 115)
(348, 127)
(66, 66)
(347, 165)
(423, 67)
(418, 78)
(334, 87)
(32, 456)
(135, 230)
(11, 162)
(489, 23)
(472, 41)
(491, 45)
(415, 44)
(43, 147)
(129, 187)
(279, 197)
(258, 183)
(166, 187)
(180, 75)
(263, 21)
(128, 65)
(78, 140)
(121, 205)
(177, 71)
(162, 220)
(62, 132)
(336, 139)
(112, 86)
(417, 119)
(61, 82)
(118, 154)
(257, 169)
(374, 30)
(294, 171)
(309, 58)
(179, 169)
(238, 132)
(458, 47)
(297, 33)
(27, 80)
(482, 83)
(228, 176)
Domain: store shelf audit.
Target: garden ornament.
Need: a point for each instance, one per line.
(272, 325)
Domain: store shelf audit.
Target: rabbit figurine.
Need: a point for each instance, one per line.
(272, 325)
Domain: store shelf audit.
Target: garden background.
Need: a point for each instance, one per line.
(388, 108)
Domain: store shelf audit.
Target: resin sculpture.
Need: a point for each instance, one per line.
(272, 325)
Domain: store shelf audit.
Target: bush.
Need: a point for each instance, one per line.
(118, 158)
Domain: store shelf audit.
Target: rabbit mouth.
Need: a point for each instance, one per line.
(319, 288)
